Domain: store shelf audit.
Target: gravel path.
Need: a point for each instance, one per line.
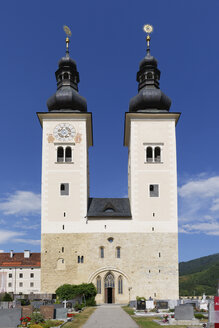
(110, 316)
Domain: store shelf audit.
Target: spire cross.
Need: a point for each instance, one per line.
(67, 40)
(148, 29)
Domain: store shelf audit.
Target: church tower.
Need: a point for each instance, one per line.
(126, 247)
(152, 174)
(67, 135)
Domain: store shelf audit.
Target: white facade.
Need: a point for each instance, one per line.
(21, 280)
(19, 274)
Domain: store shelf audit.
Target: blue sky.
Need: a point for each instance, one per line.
(108, 43)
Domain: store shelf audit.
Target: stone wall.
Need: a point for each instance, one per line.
(148, 263)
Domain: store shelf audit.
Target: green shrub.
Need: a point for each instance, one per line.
(199, 316)
(7, 298)
(24, 302)
(140, 298)
(91, 301)
(35, 326)
(36, 318)
(51, 323)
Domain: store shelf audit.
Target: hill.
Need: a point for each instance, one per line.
(199, 276)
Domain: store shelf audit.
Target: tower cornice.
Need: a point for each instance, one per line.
(146, 116)
(42, 116)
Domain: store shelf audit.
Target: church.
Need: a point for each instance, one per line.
(127, 247)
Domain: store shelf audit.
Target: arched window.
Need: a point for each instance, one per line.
(118, 252)
(60, 264)
(65, 76)
(79, 259)
(82, 259)
(109, 210)
(149, 75)
(109, 281)
(149, 156)
(98, 285)
(102, 252)
(157, 157)
(120, 285)
(60, 154)
(68, 154)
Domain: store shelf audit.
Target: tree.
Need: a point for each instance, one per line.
(67, 292)
(7, 298)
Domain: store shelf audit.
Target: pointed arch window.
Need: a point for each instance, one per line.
(60, 154)
(109, 281)
(120, 285)
(98, 285)
(68, 154)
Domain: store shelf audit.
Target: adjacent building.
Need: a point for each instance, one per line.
(127, 247)
(20, 272)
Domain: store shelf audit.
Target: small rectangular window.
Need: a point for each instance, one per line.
(20, 275)
(20, 284)
(32, 275)
(101, 252)
(159, 254)
(10, 275)
(79, 259)
(154, 190)
(63, 249)
(63, 227)
(31, 284)
(9, 284)
(64, 189)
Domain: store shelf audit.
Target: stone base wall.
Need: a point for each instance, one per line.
(148, 263)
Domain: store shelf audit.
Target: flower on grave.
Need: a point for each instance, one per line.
(25, 319)
(165, 318)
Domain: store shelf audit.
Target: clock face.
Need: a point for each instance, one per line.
(64, 132)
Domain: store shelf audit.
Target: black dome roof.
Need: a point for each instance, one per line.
(149, 98)
(67, 98)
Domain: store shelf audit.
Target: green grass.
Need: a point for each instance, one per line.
(145, 322)
(80, 318)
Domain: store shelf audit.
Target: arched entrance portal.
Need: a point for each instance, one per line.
(109, 284)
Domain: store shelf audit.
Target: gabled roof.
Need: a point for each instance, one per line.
(18, 260)
(109, 207)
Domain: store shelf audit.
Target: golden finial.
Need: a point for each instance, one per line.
(148, 29)
(67, 40)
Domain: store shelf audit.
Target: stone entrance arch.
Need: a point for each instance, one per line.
(109, 288)
(110, 277)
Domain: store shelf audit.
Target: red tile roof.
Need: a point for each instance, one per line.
(18, 260)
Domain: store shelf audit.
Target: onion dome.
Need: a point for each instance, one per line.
(149, 98)
(67, 98)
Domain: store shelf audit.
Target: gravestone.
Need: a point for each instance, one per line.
(57, 306)
(141, 305)
(47, 311)
(162, 305)
(69, 305)
(149, 304)
(133, 304)
(61, 313)
(27, 310)
(37, 304)
(184, 312)
(10, 318)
